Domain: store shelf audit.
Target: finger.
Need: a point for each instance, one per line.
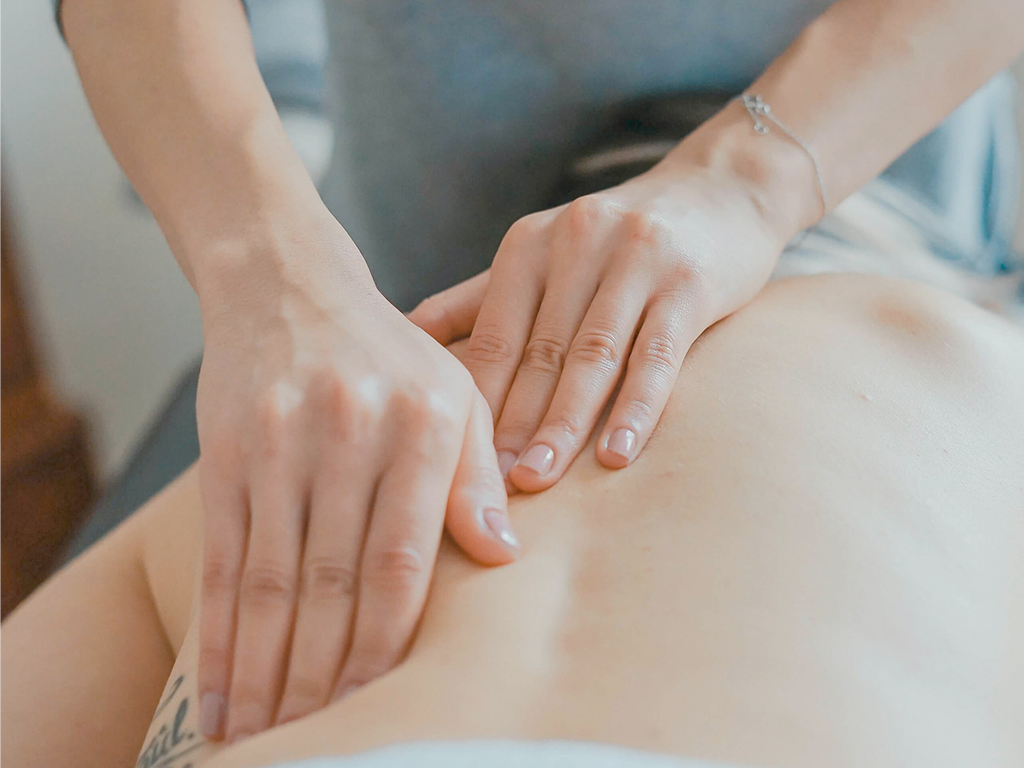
(477, 516)
(341, 501)
(225, 526)
(566, 301)
(266, 600)
(668, 331)
(594, 364)
(449, 315)
(506, 315)
(398, 557)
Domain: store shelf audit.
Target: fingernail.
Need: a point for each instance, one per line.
(211, 715)
(240, 736)
(622, 442)
(539, 458)
(505, 461)
(498, 524)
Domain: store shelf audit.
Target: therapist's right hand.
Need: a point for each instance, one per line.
(337, 441)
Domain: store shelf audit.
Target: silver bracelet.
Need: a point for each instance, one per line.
(760, 111)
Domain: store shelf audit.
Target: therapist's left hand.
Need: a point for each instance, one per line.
(618, 282)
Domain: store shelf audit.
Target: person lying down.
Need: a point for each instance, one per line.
(817, 561)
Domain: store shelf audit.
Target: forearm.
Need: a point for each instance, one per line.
(176, 91)
(859, 86)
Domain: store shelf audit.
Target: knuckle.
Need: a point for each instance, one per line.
(544, 354)
(433, 314)
(439, 411)
(351, 408)
(684, 273)
(249, 700)
(686, 287)
(660, 351)
(425, 411)
(424, 446)
(566, 424)
(524, 230)
(427, 305)
(646, 229)
(220, 575)
(266, 584)
(489, 345)
(327, 579)
(398, 568)
(367, 402)
(583, 213)
(596, 346)
(408, 403)
(638, 411)
(347, 399)
(337, 404)
(274, 410)
(306, 689)
(514, 432)
(487, 484)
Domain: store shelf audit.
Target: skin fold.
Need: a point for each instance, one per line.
(816, 561)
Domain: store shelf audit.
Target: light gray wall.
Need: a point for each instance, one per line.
(116, 321)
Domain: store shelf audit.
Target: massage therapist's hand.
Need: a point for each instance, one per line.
(335, 434)
(614, 284)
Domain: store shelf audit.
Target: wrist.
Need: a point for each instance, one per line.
(775, 173)
(238, 193)
(209, 238)
(307, 252)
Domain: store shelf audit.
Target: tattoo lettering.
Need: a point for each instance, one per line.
(171, 745)
(170, 695)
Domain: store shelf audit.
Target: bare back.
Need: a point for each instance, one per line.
(816, 561)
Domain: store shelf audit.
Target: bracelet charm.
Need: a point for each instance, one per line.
(760, 112)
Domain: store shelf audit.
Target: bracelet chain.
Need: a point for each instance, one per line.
(760, 112)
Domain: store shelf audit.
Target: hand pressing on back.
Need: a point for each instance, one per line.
(616, 286)
(337, 441)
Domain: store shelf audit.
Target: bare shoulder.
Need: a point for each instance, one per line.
(849, 350)
(918, 324)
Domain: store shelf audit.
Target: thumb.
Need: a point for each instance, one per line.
(449, 315)
(477, 515)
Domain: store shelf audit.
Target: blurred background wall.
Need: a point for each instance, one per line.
(114, 321)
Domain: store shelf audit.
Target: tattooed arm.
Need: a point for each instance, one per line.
(175, 739)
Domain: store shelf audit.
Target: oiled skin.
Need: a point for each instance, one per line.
(818, 560)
